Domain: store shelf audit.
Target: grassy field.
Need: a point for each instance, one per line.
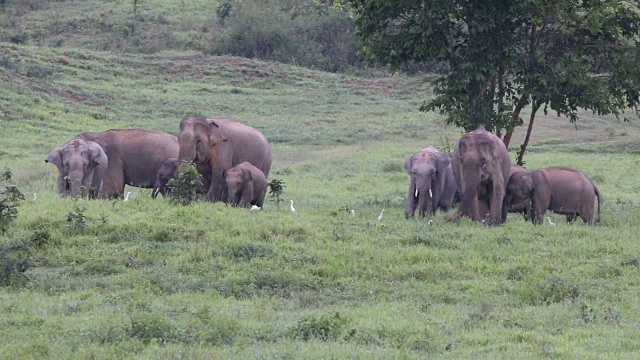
(145, 279)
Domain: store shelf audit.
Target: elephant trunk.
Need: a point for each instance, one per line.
(425, 196)
(75, 178)
(187, 146)
(469, 196)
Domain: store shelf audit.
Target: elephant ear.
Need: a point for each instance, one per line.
(409, 163)
(443, 160)
(247, 175)
(97, 153)
(55, 157)
(215, 134)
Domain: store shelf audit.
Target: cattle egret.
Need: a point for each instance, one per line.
(380, 216)
(353, 212)
(255, 207)
(430, 222)
(293, 210)
(551, 222)
(35, 196)
(126, 197)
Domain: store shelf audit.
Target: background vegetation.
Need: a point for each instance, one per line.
(148, 279)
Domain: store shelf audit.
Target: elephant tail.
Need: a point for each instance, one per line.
(595, 188)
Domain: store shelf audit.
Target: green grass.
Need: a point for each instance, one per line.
(148, 280)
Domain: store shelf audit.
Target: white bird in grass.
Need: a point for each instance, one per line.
(551, 222)
(380, 216)
(255, 207)
(126, 197)
(293, 210)
(353, 212)
(430, 222)
(35, 196)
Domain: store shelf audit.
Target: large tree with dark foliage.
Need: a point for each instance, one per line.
(500, 56)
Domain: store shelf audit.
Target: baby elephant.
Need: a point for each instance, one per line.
(560, 189)
(432, 184)
(246, 185)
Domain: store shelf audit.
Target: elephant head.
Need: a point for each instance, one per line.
(519, 192)
(168, 170)
(239, 185)
(427, 169)
(81, 166)
(197, 136)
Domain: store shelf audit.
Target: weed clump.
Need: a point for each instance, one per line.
(9, 198)
(323, 327)
(184, 189)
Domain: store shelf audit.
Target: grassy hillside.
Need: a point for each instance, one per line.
(144, 279)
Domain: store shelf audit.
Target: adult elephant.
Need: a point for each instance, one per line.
(134, 157)
(560, 189)
(431, 185)
(480, 164)
(81, 167)
(216, 145)
(517, 199)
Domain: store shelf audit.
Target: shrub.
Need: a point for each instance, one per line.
(9, 198)
(184, 189)
(324, 327)
(319, 37)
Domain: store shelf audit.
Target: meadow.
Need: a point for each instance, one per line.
(146, 279)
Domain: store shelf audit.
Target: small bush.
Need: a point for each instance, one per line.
(149, 327)
(276, 191)
(184, 189)
(14, 261)
(324, 327)
(9, 198)
(77, 219)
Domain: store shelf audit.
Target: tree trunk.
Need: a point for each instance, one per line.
(523, 147)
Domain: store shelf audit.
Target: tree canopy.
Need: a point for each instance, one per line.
(500, 56)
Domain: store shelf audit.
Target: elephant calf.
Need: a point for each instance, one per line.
(560, 189)
(432, 185)
(246, 185)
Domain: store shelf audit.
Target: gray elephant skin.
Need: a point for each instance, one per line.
(246, 185)
(480, 164)
(134, 157)
(168, 170)
(523, 205)
(216, 145)
(431, 185)
(81, 167)
(560, 189)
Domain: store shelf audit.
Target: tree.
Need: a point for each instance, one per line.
(500, 56)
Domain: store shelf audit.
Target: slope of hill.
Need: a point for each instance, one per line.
(146, 279)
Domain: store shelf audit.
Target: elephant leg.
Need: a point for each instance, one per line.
(410, 208)
(261, 197)
(496, 204)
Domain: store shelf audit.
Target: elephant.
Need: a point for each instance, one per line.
(134, 157)
(216, 145)
(246, 185)
(168, 170)
(432, 185)
(81, 167)
(480, 164)
(516, 199)
(560, 189)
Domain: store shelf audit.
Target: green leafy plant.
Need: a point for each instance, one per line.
(77, 218)
(276, 191)
(184, 189)
(9, 198)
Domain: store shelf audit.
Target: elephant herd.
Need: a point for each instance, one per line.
(489, 186)
(234, 160)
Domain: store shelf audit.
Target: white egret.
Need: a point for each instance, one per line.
(353, 212)
(380, 216)
(255, 207)
(126, 197)
(551, 222)
(293, 210)
(35, 196)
